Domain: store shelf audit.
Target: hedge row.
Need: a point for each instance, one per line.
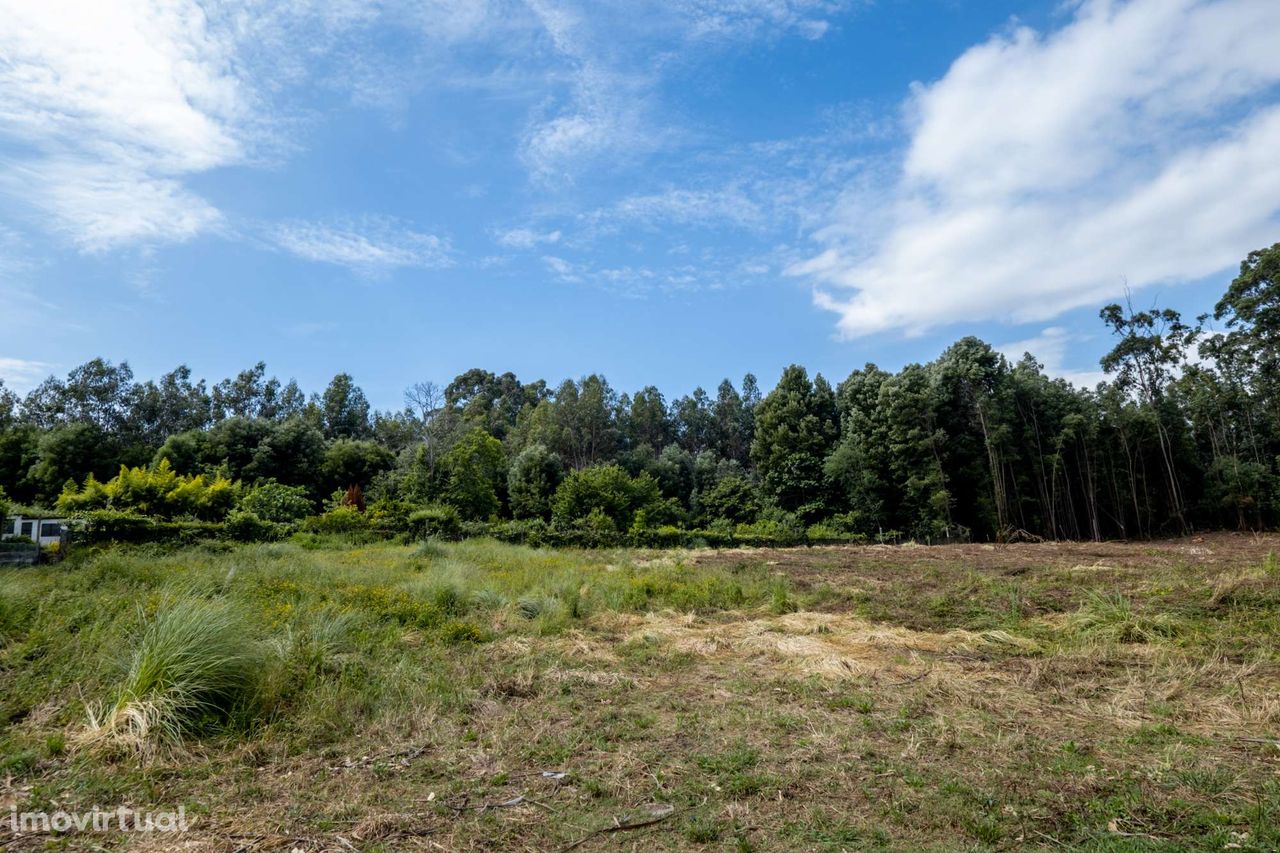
(443, 523)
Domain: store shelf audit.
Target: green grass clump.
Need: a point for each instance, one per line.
(196, 665)
(1111, 616)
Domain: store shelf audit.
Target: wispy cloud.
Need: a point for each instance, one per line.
(1052, 349)
(98, 206)
(1135, 144)
(731, 205)
(369, 246)
(616, 54)
(606, 111)
(116, 105)
(21, 374)
(526, 238)
(641, 280)
(737, 19)
(116, 102)
(780, 185)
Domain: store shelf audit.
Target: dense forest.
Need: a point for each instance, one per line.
(1184, 435)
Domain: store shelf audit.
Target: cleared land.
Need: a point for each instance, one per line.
(481, 696)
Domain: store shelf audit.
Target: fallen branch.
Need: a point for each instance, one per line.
(912, 680)
(406, 756)
(519, 799)
(622, 827)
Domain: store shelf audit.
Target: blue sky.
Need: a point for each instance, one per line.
(666, 191)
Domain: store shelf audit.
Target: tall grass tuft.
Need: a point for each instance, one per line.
(196, 665)
(1112, 617)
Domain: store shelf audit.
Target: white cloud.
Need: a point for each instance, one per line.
(641, 280)
(98, 206)
(607, 117)
(736, 19)
(1134, 145)
(527, 238)
(1052, 348)
(371, 246)
(116, 102)
(616, 53)
(21, 374)
(114, 105)
(728, 205)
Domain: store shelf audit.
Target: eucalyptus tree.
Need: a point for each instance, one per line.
(1151, 351)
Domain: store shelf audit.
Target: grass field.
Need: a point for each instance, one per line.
(476, 696)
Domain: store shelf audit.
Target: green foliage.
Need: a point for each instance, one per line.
(340, 521)
(108, 525)
(246, 526)
(795, 429)
(828, 532)
(603, 495)
(272, 501)
(345, 410)
(70, 452)
(184, 451)
(350, 462)
(774, 525)
(535, 475)
(1251, 309)
(732, 498)
(476, 469)
(292, 452)
(439, 521)
(1185, 434)
(390, 517)
(157, 491)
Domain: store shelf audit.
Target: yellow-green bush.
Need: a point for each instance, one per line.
(157, 491)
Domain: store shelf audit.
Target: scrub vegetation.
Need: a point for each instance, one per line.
(318, 694)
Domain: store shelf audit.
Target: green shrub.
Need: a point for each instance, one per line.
(106, 525)
(158, 491)
(604, 491)
(341, 521)
(112, 525)
(477, 467)
(476, 529)
(390, 517)
(272, 501)
(732, 498)
(244, 526)
(532, 481)
(775, 527)
(438, 521)
(831, 532)
(534, 532)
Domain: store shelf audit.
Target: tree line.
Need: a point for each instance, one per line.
(1183, 435)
